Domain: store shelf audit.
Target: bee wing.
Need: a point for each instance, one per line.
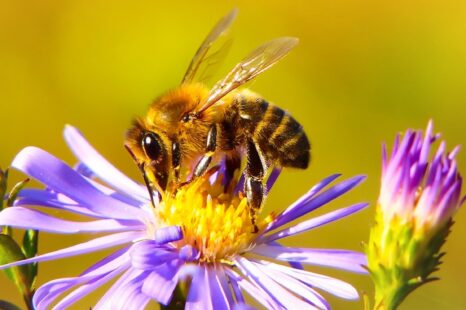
(261, 59)
(202, 56)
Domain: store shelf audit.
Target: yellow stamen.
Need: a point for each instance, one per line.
(216, 223)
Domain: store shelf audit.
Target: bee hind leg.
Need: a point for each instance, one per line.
(253, 186)
(232, 163)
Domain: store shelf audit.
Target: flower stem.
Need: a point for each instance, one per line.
(179, 298)
(28, 300)
(390, 298)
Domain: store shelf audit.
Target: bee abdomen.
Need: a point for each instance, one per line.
(280, 138)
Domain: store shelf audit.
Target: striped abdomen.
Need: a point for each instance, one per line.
(277, 135)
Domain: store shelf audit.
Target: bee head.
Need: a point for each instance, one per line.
(152, 146)
(157, 157)
(150, 151)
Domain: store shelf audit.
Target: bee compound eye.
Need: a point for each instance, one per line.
(186, 118)
(152, 145)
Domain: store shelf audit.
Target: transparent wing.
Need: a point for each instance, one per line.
(203, 59)
(257, 62)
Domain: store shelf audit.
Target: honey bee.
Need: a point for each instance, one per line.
(190, 125)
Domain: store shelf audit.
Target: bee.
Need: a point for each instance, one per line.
(189, 126)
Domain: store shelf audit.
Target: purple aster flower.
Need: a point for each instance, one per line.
(202, 234)
(120, 211)
(418, 198)
(414, 189)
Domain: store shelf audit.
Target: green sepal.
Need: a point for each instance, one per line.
(11, 195)
(402, 257)
(11, 252)
(15, 191)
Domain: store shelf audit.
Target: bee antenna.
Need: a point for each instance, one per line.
(147, 182)
(144, 175)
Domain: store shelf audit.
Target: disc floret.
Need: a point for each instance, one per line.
(215, 221)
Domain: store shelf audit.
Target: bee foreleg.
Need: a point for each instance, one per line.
(176, 159)
(144, 175)
(253, 186)
(211, 145)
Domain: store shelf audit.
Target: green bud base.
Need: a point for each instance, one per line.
(401, 257)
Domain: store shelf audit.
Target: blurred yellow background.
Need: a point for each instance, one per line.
(364, 70)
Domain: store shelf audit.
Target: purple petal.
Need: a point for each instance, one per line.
(303, 199)
(111, 295)
(234, 286)
(425, 149)
(454, 152)
(87, 288)
(451, 176)
(116, 195)
(426, 200)
(275, 290)
(84, 170)
(295, 265)
(168, 234)
(243, 306)
(313, 223)
(105, 269)
(46, 198)
(126, 294)
(257, 293)
(419, 172)
(109, 263)
(161, 282)
(135, 301)
(240, 185)
(147, 255)
(32, 219)
(384, 159)
(272, 178)
(295, 286)
(303, 206)
(436, 162)
(333, 286)
(340, 259)
(448, 204)
(199, 292)
(292, 264)
(87, 155)
(219, 291)
(47, 293)
(396, 144)
(96, 244)
(400, 154)
(187, 271)
(187, 253)
(58, 176)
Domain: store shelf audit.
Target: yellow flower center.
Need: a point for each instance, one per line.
(216, 223)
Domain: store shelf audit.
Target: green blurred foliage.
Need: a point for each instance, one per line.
(364, 70)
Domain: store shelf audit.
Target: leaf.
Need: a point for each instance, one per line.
(11, 252)
(3, 181)
(5, 305)
(30, 243)
(11, 196)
